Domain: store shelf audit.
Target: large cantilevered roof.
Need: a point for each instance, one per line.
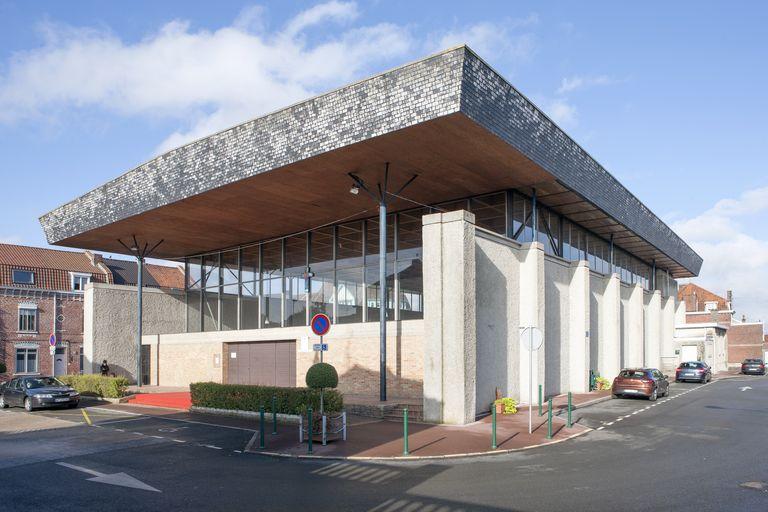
(450, 118)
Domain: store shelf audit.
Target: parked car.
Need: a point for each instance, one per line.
(753, 366)
(37, 392)
(693, 370)
(646, 382)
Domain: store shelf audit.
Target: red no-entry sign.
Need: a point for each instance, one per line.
(320, 324)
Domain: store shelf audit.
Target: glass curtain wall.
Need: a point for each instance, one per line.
(335, 269)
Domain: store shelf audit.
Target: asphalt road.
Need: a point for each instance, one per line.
(689, 452)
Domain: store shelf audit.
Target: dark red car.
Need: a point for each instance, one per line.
(646, 382)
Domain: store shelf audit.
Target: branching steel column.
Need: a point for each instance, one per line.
(139, 297)
(383, 299)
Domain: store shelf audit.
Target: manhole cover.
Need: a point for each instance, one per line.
(758, 486)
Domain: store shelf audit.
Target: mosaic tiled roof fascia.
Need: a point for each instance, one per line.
(456, 80)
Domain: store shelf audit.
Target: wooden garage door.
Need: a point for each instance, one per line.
(265, 363)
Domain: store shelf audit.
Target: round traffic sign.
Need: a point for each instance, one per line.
(52, 340)
(531, 337)
(320, 324)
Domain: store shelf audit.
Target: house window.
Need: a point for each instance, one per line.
(26, 360)
(710, 306)
(79, 281)
(23, 277)
(27, 319)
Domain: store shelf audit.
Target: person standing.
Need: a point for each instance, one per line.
(104, 368)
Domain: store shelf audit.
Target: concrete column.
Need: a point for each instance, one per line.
(609, 348)
(653, 329)
(632, 312)
(449, 317)
(667, 349)
(532, 309)
(578, 328)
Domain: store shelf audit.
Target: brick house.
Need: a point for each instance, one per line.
(704, 308)
(42, 293)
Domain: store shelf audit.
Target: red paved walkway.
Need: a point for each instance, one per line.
(179, 400)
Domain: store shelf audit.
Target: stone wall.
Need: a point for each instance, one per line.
(111, 320)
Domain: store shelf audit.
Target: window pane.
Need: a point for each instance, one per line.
(295, 281)
(229, 289)
(521, 211)
(211, 271)
(321, 263)
(249, 288)
(23, 277)
(21, 358)
(490, 212)
(349, 245)
(31, 360)
(211, 309)
(409, 264)
(349, 292)
(193, 310)
(194, 273)
(372, 288)
(272, 284)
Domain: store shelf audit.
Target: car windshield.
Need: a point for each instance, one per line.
(632, 374)
(753, 361)
(691, 365)
(41, 382)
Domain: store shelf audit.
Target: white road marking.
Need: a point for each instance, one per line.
(178, 440)
(121, 479)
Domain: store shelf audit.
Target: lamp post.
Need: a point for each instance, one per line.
(381, 198)
(140, 253)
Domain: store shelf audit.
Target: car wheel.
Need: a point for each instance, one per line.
(28, 405)
(3, 405)
(654, 395)
(615, 396)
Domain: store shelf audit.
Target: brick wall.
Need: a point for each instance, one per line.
(69, 331)
(722, 317)
(744, 341)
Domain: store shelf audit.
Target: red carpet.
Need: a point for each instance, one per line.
(181, 400)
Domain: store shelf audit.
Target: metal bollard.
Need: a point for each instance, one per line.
(310, 427)
(540, 393)
(493, 427)
(549, 419)
(405, 431)
(274, 415)
(344, 425)
(570, 400)
(261, 427)
(301, 429)
(325, 427)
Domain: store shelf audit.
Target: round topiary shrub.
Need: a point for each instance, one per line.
(322, 375)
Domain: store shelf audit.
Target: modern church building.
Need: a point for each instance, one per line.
(495, 220)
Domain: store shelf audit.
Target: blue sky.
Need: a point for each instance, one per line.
(668, 96)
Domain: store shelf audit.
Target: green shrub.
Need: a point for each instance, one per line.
(601, 383)
(322, 375)
(509, 405)
(96, 385)
(249, 398)
(3, 368)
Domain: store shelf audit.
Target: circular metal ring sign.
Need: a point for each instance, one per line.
(320, 324)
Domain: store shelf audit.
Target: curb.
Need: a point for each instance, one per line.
(401, 458)
(87, 398)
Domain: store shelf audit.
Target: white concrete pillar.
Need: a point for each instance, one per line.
(449, 317)
(532, 309)
(609, 348)
(632, 312)
(652, 329)
(578, 328)
(667, 349)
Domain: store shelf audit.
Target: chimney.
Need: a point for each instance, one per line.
(743, 319)
(729, 300)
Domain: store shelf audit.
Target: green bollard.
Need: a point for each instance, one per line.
(274, 415)
(405, 431)
(570, 401)
(261, 427)
(493, 427)
(310, 427)
(540, 412)
(549, 419)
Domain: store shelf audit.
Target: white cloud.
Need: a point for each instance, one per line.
(492, 40)
(208, 80)
(562, 112)
(11, 239)
(570, 84)
(735, 256)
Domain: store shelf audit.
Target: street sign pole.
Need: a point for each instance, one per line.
(530, 379)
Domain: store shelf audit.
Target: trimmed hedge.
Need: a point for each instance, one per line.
(322, 375)
(96, 385)
(249, 398)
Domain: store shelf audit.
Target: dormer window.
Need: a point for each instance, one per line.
(710, 306)
(26, 277)
(79, 281)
